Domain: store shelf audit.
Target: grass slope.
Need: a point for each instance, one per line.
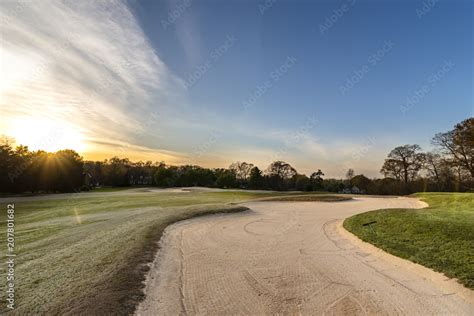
(440, 237)
(87, 253)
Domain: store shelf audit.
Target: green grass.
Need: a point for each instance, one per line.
(440, 237)
(110, 189)
(87, 253)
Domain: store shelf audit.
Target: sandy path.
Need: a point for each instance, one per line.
(287, 258)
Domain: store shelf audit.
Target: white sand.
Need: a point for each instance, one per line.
(291, 258)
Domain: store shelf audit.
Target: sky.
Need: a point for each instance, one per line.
(325, 85)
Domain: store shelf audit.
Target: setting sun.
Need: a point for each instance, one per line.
(47, 135)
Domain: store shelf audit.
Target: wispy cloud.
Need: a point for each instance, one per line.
(88, 64)
(84, 62)
(302, 147)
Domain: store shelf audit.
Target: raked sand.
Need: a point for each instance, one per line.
(291, 258)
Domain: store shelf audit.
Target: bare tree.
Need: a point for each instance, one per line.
(461, 174)
(393, 169)
(459, 144)
(282, 169)
(241, 169)
(403, 163)
(434, 164)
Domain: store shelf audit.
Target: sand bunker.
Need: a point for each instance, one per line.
(288, 258)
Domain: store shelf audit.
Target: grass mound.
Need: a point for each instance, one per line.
(440, 237)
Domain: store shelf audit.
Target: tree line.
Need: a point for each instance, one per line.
(449, 167)
(22, 170)
(407, 169)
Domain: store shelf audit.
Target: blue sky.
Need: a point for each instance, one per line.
(320, 84)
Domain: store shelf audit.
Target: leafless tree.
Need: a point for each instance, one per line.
(282, 169)
(459, 144)
(433, 165)
(241, 169)
(403, 163)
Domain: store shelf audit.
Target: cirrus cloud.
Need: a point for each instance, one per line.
(84, 62)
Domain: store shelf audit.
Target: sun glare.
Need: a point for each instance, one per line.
(47, 135)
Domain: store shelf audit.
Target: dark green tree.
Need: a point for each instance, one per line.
(256, 178)
(316, 180)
